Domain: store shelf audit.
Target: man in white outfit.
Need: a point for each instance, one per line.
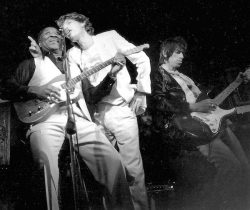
(117, 111)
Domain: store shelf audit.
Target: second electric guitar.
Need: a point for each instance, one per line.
(203, 127)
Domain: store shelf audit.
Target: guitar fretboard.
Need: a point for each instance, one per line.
(225, 93)
(83, 75)
(71, 83)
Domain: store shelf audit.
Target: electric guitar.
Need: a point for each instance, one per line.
(203, 127)
(37, 110)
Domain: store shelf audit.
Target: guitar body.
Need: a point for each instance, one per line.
(213, 120)
(37, 110)
(197, 131)
(201, 127)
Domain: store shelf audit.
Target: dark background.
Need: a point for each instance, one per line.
(217, 33)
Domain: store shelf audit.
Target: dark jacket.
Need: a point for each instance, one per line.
(169, 101)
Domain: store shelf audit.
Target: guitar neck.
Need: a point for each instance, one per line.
(225, 93)
(71, 83)
(242, 109)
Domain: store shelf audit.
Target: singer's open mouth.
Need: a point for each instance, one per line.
(54, 41)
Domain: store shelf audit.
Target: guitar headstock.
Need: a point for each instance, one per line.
(136, 49)
(144, 46)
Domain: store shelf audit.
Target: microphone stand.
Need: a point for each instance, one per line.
(72, 138)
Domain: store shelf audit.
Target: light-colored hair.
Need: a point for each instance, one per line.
(77, 17)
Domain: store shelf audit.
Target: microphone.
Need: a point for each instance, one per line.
(61, 32)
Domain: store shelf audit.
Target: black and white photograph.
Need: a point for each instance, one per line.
(125, 105)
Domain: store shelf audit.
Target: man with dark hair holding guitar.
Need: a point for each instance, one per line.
(32, 82)
(175, 94)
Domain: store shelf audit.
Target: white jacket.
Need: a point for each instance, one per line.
(105, 46)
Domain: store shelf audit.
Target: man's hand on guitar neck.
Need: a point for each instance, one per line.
(47, 91)
(119, 62)
(203, 106)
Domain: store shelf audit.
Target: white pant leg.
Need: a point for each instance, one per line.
(102, 159)
(104, 162)
(122, 122)
(46, 140)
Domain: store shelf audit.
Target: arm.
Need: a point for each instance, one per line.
(93, 94)
(167, 101)
(34, 48)
(16, 87)
(140, 60)
(104, 87)
(142, 63)
(170, 98)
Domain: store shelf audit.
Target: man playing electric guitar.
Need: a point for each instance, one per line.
(202, 127)
(176, 94)
(30, 81)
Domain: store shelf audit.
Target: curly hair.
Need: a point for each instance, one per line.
(77, 17)
(170, 45)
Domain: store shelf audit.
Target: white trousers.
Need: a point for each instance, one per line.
(122, 123)
(103, 160)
